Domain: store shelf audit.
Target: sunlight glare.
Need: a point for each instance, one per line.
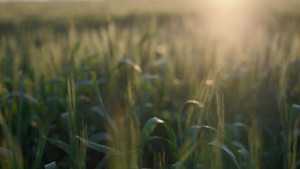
(230, 20)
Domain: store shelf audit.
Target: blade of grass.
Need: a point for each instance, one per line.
(74, 51)
(102, 163)
(71, 109)
(99, 111)
(41, 143)
(151, 124)
(191, 143)
(188, 102)
(254, 145)
(295, 114)
(130, 63)
(177, 165)
(107, 117)
(246, 156)
(187, 153)
(82, 149)
(51, 165)
(61, 144)
(194, 130)
(25, 96)
(99, 147)
(15, 159)
(101, 136)
(293, 145)
(84, 83)
(157, 138)
(72, 123)
(219, 144)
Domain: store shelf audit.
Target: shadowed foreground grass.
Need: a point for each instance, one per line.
(149, 85)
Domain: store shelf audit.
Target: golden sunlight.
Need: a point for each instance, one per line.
(230, 20)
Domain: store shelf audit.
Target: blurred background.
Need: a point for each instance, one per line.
(165, 75)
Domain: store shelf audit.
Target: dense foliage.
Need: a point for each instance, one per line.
(182, 85)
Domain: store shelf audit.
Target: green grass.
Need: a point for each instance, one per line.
(149, 85)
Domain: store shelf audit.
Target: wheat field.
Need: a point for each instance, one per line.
(149, 84)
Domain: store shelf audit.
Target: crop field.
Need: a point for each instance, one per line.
(150, 85)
